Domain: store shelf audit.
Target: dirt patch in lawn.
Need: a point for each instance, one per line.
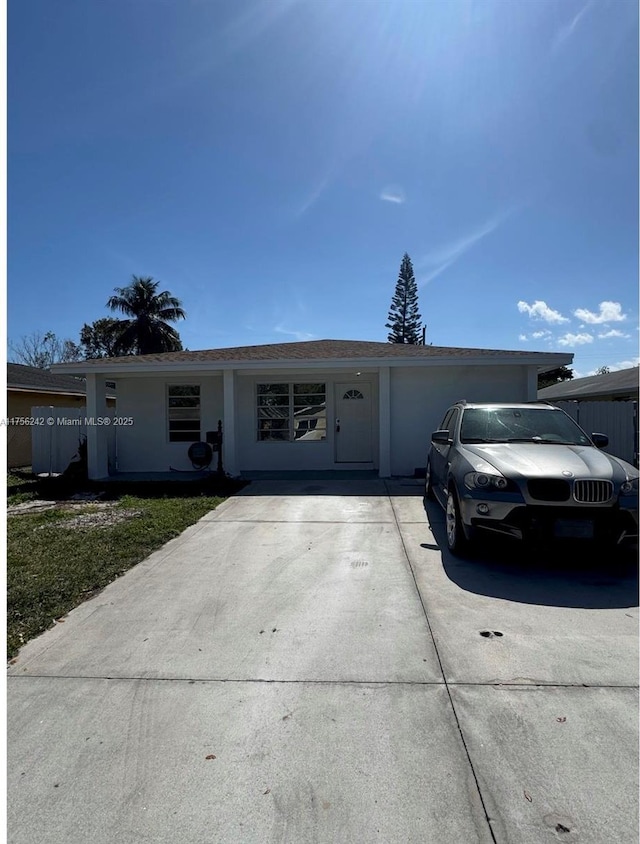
(99, 514)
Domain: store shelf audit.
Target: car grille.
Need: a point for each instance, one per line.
(592, 492)
(549, 489)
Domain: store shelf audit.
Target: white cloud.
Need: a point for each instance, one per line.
(612, 367)
(624, 364)
(522, 337)
(538, 334)
(567, 31)
(575, 339)
(394, 194)
(609, 312)
(299, 335)
(540, 310)
(314, 196)
(239, 34)
(441, 259)
(613, 333)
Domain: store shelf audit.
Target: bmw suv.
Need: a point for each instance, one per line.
(527, 471)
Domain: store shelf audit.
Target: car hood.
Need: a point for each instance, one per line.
(546, 461)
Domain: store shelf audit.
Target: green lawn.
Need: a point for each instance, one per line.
(52, 567)
(15, 479)
(21, 486)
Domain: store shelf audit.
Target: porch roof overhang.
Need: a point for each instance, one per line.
(129, 366)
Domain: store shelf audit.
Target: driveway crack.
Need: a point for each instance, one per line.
(439, 658)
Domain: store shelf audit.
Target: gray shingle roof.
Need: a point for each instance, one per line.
(312, 350)
(621, 383)
(41, 380)
(32, 379)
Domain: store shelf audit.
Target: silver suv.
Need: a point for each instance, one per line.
(527, 470)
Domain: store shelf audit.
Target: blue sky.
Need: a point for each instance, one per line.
(270, 163)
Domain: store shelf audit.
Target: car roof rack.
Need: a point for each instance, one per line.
(460, 401)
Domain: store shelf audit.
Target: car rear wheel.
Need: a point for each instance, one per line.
(457, 542)
(428, 487)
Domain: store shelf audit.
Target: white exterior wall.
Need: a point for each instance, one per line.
(252, 455)
(420, 397)
(145, 446)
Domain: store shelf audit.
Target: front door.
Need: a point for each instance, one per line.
(353, 423)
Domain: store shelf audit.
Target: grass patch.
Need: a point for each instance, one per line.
(52, 567)
(20, 497)
(17, 478)
(21, 486)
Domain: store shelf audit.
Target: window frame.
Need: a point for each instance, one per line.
(168, 397)
(444, 425)
(292, 409)
(453, 422)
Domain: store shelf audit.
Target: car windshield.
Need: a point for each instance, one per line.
(519, 424)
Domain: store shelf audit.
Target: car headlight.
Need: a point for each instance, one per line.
(485, 480)
(629, 487)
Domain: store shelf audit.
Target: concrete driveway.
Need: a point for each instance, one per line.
(306, 665)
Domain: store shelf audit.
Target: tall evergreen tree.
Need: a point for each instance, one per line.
(404, 319)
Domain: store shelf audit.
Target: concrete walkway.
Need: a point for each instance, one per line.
(305, 665)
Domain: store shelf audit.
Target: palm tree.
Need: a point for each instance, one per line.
(147, 331)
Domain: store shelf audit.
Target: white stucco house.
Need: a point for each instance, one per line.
(315, 405)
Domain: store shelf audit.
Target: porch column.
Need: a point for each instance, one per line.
(532, 383)
(384, 423)
(229, 423)
(97, 454)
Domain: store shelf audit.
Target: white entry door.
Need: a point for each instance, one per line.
(353, 423)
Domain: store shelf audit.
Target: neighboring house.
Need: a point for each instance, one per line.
(316, 405)
(607, 404)
(28, 387)
(614, 386)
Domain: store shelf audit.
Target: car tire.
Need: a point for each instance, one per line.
(457, 542)
(428, 487)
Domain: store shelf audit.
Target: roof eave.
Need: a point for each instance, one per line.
(23, 388)
(590, 394)
(543, 360)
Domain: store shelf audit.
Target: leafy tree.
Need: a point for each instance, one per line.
(554, 376)
(101, 339)
(603, 370)
(43, 350)
(404, 319)
(147, 330)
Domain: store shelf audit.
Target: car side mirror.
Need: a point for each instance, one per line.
(600, 440)
(441, 437)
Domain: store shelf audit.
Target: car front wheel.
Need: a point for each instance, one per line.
(456, 540)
